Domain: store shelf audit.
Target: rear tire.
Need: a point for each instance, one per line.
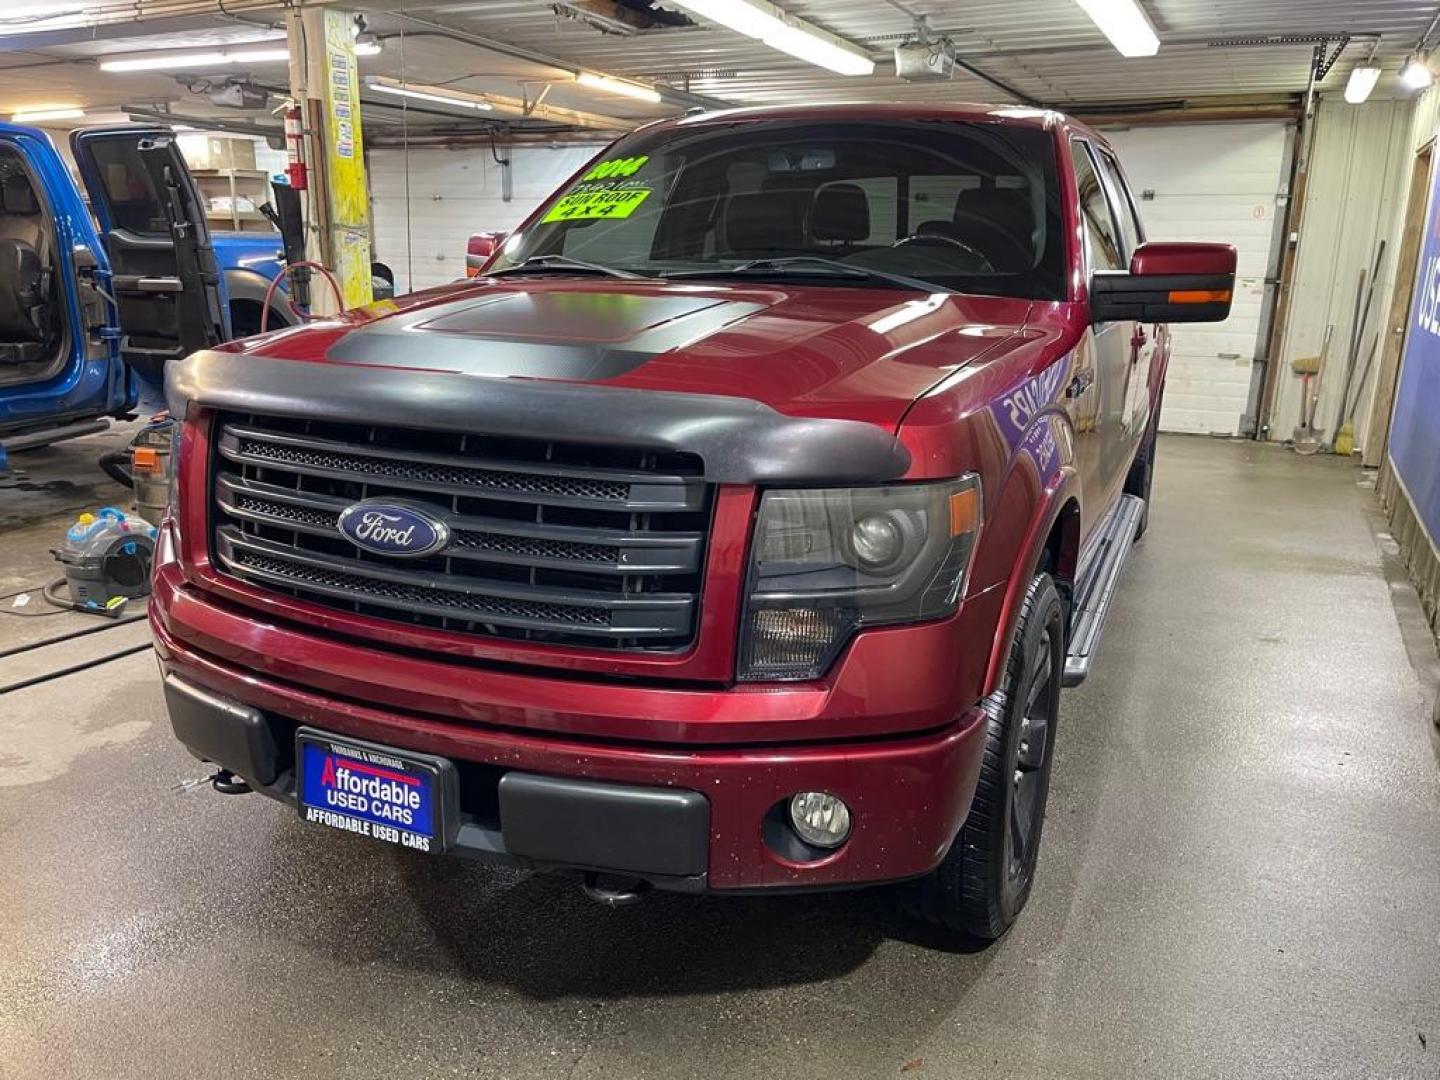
(986, 877)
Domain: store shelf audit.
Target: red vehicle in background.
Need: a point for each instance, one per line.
(735, 530)
(479, 249)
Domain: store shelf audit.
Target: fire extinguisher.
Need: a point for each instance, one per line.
(295, 148)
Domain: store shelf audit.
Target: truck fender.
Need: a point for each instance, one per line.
(248, 287)
(1059, 497)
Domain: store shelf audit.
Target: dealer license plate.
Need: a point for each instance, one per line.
(372, 791)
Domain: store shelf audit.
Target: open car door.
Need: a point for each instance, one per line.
(166, 280)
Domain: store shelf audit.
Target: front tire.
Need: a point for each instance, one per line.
(985, 880)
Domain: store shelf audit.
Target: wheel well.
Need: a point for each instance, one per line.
(245, 317)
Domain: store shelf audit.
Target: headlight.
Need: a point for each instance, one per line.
(828, 562)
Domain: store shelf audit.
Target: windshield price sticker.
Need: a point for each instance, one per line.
(616, 169)
(606, 191)
(607, 202)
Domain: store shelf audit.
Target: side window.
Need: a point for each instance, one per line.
(134, 204)
(1101, 235)
(1124, 205)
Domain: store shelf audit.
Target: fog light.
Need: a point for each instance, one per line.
(820, 819)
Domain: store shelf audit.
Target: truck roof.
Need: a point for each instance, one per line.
(1020, 115)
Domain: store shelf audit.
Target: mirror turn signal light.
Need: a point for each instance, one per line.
(1200, 296)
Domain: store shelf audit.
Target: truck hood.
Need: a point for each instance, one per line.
(849, 353)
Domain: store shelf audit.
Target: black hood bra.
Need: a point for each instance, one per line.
(740, 440)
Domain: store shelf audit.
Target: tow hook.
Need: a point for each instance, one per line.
(227, 783)
(612, 891)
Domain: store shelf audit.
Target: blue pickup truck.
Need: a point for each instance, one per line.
(92, 303)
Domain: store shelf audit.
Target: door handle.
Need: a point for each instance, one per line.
(133, 283)
(160, 284)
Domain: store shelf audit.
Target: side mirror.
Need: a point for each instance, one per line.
(480, 249)
(1167, 283)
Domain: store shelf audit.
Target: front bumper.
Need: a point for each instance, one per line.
(908, 795)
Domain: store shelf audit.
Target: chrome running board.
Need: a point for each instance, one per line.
(1095, 585)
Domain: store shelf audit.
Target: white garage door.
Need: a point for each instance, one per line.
(451, 194)
(1211, 182)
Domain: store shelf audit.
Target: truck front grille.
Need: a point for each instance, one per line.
(597, 546)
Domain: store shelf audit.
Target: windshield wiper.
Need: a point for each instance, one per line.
(563, 264)
(821, 266)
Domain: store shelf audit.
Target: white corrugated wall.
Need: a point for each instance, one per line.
(420, 232)
(1358, 169)
(1216, 182)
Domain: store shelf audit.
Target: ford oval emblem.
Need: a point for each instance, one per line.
(393, 528)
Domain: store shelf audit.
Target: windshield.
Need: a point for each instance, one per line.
(966, 207)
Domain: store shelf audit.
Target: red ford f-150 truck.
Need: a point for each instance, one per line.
(735, 530)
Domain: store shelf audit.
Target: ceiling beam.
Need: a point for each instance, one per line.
(567, 68)
(516, 109)
(272, 133)
(132, 22)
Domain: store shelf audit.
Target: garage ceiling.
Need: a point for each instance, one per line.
(1045, 50)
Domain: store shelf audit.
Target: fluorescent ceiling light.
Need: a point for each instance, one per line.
(182, 61)
(1124, 24)
(618, 86)
(190, 60)
(780, 30)
(48, 112)
(752, 20)
(1416, 73)
(1362, 81)
(458, 98)
(819, 51)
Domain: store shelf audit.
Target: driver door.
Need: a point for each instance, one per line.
(166, 280)
(1105, 441)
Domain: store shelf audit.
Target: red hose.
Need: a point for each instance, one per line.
(285, 271)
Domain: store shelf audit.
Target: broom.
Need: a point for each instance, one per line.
(1345, 440)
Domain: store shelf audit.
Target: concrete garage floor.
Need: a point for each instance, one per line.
(1241, 874)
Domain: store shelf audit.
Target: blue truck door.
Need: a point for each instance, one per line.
(59, 337)
(165, 277)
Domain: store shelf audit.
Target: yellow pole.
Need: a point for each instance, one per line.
(324, 80)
